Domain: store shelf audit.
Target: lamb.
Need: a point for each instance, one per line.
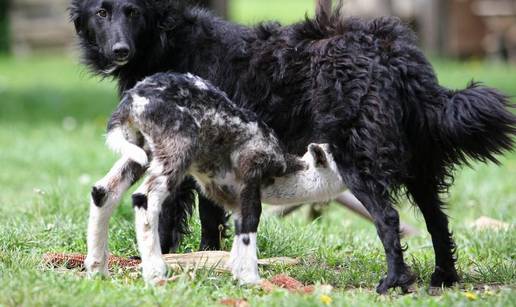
(184, 126)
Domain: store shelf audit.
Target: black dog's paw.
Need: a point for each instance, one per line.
(444, 278)
(98, 195)
(140, 201)
(403, 280)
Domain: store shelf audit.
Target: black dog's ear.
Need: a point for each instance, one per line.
(77, 24)
(75, 17)
(319, 155)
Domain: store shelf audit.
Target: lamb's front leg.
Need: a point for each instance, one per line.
(244, 258)
(147, 201)
(105, 196)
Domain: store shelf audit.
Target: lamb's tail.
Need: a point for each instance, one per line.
(476, 122)
(121, 138)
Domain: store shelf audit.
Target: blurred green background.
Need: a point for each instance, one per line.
(253, 11)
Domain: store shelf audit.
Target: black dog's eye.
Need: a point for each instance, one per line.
(102, 13)
(134, 13)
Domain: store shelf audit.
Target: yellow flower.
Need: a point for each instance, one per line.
(470, 295)
(326, 299)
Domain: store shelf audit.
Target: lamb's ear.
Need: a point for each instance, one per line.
(319, 155)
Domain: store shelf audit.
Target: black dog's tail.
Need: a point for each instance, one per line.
(475, 122)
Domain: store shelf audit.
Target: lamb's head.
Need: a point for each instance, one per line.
(318, 180)
(322, 177)
(320, 157)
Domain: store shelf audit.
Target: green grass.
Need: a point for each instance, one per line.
(286, 11)
(51, 150)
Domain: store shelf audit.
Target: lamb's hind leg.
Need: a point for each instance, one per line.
(172, 158)
(105, 195)
(147, 201)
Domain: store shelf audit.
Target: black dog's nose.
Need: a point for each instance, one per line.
(121, 51)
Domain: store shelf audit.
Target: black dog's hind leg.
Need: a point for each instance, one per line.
(387, 222)
(426, 197)
(213, 224)
(176, 212)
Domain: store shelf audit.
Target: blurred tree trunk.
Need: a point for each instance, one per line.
(390, 7)
(4, 26)
(218, 6)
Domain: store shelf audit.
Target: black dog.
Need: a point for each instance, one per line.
(362, 86)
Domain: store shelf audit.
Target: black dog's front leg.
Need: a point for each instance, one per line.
(175, 215)
(213, 224)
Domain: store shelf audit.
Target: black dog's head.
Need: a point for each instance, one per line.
(111, 32)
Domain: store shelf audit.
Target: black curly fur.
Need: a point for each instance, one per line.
(362, 85)
(174, 216)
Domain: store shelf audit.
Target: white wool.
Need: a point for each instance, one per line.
(117, 142)
(139, 103)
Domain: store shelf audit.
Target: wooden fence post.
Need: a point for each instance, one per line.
(218, 6)
(4, 26)
(221, 7)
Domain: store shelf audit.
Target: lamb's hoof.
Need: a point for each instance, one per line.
(248, 279)
(404, 281)
(96, 266)
(246, 272)
(154, 272)
(98, 195)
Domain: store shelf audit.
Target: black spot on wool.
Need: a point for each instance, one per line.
(139, 201)
(99, 196)
(246, 240)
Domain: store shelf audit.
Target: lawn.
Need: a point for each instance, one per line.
(51, 151)
(252, 11)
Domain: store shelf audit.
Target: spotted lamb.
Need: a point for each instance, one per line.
(186, 126)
